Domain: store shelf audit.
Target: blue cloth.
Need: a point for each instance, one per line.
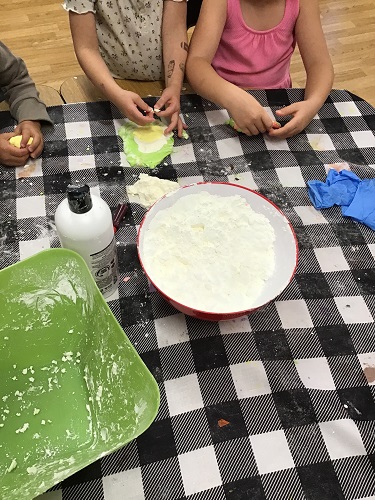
(356, 197)
(339, 189)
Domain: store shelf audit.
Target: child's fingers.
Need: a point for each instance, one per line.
(141, 104)
(288, 130)
(173, 107)
(26, 134)
(37, 151)
(36, 147)
(159, 105)
(8, 135)
(180, 128)
(16, 159)
(265, 123)
(135, 115)
(288, 110)
(140, 119)
(17, 152)
(172, 125)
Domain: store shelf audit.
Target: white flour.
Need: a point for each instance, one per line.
(209, 252)
(149, 189)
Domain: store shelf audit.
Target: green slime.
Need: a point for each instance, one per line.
(135, 157)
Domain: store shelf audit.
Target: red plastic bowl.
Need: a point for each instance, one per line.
(286, 246)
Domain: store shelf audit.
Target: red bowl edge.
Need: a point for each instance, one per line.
(211, 316)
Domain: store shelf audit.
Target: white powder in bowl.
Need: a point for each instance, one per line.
(210, 252)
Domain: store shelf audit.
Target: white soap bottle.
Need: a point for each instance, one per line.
(84, 224)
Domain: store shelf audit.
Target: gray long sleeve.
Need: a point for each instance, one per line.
(19, 89)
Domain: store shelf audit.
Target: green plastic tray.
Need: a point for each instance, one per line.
(72, 386)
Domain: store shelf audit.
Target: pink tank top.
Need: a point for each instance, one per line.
(257, 59)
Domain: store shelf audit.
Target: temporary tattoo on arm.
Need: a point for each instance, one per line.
(184, 46)
(182, 67)
(171, 66)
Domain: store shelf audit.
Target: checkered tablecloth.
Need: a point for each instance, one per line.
(275, 405)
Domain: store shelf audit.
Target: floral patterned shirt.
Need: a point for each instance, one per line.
(129, 35)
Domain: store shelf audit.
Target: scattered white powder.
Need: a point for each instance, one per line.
(99, 393)
(104, 434)
(36, 411)
(149, 189)
(12, 466)
(209, 252)
(23, 428)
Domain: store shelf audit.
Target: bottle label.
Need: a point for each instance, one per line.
(104, 267)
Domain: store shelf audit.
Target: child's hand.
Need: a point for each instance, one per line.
(29, 129)
(10, 156)
(302, 113)
(130, 104)
(249, 116)
(170, 98)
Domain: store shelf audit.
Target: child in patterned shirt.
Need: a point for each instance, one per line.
(133, 39)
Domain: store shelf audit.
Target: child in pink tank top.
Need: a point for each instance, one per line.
(239, 44)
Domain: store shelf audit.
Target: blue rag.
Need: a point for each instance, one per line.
(356, 197)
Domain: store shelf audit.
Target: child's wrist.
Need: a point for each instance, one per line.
(175, 86)
(34, 123)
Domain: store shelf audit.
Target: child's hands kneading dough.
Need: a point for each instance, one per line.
(12, 156)
(16, 147)
(30, 130)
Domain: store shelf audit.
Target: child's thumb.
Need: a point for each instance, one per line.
(288, 110)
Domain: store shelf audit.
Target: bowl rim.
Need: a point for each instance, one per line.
(201, 311)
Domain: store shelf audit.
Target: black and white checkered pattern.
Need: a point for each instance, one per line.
(276, 405)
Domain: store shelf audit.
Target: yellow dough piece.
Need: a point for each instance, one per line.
(149, 133)
(16, 141)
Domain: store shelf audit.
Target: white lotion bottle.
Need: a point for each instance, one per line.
(84, 224)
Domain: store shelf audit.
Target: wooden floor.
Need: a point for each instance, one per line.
(38, 31)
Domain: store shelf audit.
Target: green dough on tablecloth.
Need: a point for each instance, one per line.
(146, 146)
(231, 123)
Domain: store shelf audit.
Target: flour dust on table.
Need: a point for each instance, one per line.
(210, 253)
(147, 145)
